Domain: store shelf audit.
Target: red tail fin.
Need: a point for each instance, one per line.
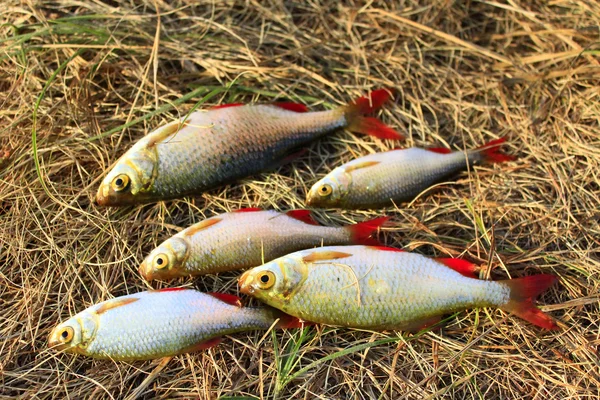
(492, 154)
(523, 292)
(356, 110)
(361, 233)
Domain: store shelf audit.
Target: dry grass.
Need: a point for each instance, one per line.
(81, 80)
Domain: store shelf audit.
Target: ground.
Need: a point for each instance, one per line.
(82, 80)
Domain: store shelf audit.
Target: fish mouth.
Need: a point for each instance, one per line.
(103, 197)
(244, 283)
(54, 343)
(144, 272)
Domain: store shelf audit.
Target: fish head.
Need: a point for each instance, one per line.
(74, 335)
(331, 191)
(130, 180)
(167, 260)
(274, 282)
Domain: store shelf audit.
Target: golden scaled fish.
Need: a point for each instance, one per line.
(381, 288)
(226, 143)
(161, 323)
(246, 238)
(381, 179)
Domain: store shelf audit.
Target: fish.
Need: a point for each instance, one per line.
(212, 147)
(246, 238)
(160, 323)
(383, 288)
(382, 179)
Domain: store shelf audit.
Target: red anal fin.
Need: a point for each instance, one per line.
(302, 215)
(373, 102)
(227, 298)
(386, 248)
(440, 150)
(361, 233)
(492, 153)
(419, 325)
(227, 106)
(249, 209)
(288, 322)
(296, 107)
(523, 292)
(461, 266)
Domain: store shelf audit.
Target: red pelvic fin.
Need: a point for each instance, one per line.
(209, 343)
(441, 150)
(249, 209)
(228, 298)
(419, 325)
(302, 215)
(523, 292)
(461, 266)
(227, 106)
(373, 127)
(361, 233)
(386, 248)
(171, 289)
(291, 157)
(296, 107)
(492, 154)
(288, 322)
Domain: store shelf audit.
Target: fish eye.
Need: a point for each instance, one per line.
(266, 280)
(67, 334)
(120, 183)
(161, 261)
(325, 190)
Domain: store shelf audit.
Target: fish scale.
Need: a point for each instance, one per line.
(400, 175)
(377, 284)
(246, 238)
(157, 324)
(383, 288)
(221, 145)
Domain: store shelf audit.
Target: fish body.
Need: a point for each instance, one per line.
(246, 238)
(212, 147)
(156, 324)
(381, 179)
(381, 288)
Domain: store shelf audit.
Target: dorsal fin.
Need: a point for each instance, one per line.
(227, 106)
(227, 298)
(461, 266)
(165, 131)
(192, 230)
(249, 209)
(360, 165)
(325, 255)
(302, 215)
(288, 105)
(386, 248)
(440, 150)
(170, 289)
(115, 303)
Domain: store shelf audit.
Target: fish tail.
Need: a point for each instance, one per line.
(491, 153)
(361, 233)
(357, 122)
(523, 292)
